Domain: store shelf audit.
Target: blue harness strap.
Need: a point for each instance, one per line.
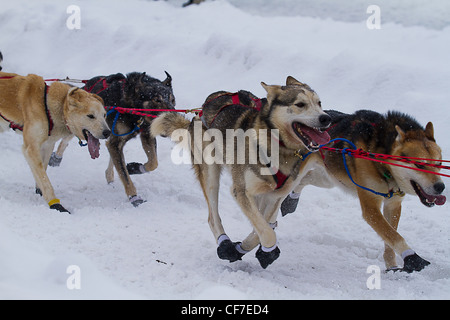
(113, 109)
(388, 195)
(345, 152)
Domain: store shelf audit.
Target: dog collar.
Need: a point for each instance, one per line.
(388, 176)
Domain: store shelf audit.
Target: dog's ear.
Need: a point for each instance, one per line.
(74, 93)
(265, 86)
(400, 134)
(292, 81)
(429, 131)
(273, 92)
(271, 89)
(168, 80)
(142, 76)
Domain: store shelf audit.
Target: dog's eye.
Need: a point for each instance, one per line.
(91, 116)
(320, 103)
(158, 100)
(419, 166)
(301, 104)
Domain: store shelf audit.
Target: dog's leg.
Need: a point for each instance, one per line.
(268, 251)
(270, 213)
(149, 146)
(115, 147)
(32, 150)
(317, 177)
(370, 205)
(109, 172)
(391, 210)
(56, 157)
(209, 178)
(290, 203)
(46, 151)
(412, 262)
(269, 209)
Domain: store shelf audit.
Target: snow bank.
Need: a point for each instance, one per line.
(164, 248)
(431, 14)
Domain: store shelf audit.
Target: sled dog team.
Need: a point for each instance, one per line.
(290, 118)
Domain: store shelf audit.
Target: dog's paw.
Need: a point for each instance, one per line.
(135, 168)
(288, 205)
(55, 160)
(136, 201)
(59, 207)
(227, 251)
(266, 258)
(414, 263)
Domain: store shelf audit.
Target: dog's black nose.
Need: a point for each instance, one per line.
(325, 120)
(439, 187)
(106, 133)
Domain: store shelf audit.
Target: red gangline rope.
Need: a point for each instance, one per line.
(141, 112)
(359, 153)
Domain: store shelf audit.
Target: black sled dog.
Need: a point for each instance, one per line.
(135, 90)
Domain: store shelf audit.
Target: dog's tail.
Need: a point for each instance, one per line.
(183, 132)
(167, 123)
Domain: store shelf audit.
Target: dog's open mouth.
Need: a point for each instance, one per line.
(93, 144)
(428, 199)
(312, 138)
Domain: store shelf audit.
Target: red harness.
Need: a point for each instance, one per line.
(15, 126)
(280, 178)
(104, 86)
(235, 101)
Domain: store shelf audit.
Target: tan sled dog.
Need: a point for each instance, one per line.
(46, 114)
(289, 121)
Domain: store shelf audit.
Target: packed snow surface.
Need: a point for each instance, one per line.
(164, 248)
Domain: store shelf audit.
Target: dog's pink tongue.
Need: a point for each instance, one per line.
(316, 135)
(93, 146)
(440, 200)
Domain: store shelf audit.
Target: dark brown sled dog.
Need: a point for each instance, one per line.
(136, 90)
(396, 134)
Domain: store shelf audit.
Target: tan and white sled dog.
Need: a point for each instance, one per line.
(237, 131)
(46, 114)
(395, 134)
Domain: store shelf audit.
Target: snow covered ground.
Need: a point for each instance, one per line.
(164, 248)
